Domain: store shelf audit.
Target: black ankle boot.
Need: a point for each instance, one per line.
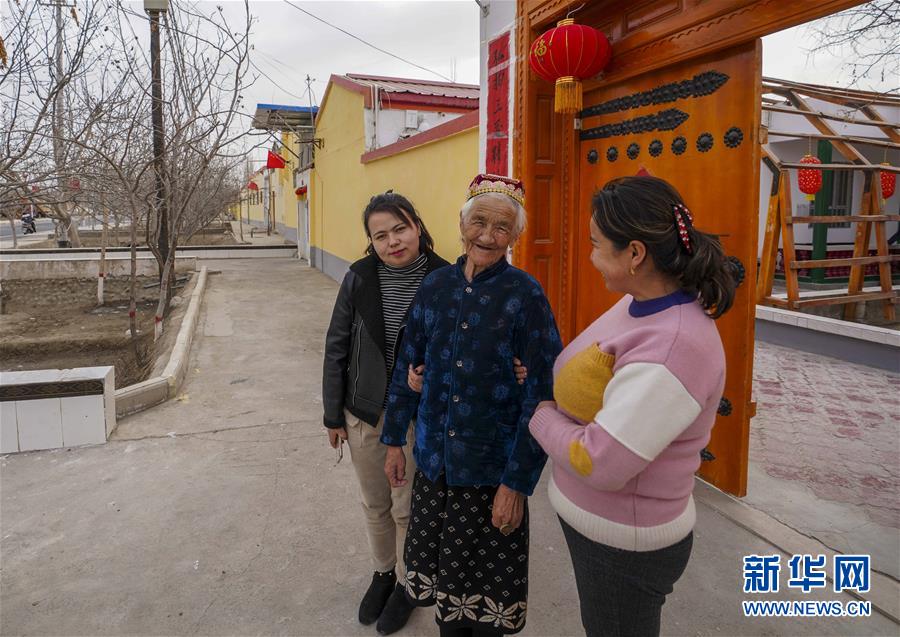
(376, 597)
(396, 612)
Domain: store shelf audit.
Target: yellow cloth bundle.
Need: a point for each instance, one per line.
(581, 382)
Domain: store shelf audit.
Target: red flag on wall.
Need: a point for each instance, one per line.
(274, 161)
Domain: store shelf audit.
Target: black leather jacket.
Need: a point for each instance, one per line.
(354, 375)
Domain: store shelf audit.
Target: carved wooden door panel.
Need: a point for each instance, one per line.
(545, 223)
(694, 124)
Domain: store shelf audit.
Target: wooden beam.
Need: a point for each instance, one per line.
(806, 113)
(887, 128)
(856, 95)
(845, 99)
(835, 263)
(771, 159)
(774, 301)
(884, 269)
(787, 238)
(861, 244)
(868, 167)
(846, 138)
(847, 300)
(842, 218)
(769, 253)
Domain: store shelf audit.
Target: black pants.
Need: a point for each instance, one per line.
(622, 592)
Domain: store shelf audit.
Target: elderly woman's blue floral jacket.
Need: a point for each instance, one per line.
(472, 416)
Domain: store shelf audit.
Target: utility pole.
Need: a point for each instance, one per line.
(153, 9)
(307, 251)
(59, 151)
(309, 92)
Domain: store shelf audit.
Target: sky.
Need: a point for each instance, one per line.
(288, 45)
(440, 35)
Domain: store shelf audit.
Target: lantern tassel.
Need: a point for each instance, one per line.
(568, 95)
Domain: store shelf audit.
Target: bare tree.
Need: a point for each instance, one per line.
(870, 32)
(204, 72)
(47, 52)
(76, 130)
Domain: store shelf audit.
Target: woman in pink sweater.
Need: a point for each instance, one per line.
(636, 397)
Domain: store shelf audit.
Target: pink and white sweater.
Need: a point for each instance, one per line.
(637, 394)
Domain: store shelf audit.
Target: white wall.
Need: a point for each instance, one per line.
(501, 18)
(86, 266)
(391, 125)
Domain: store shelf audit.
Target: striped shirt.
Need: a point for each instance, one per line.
(398, 287)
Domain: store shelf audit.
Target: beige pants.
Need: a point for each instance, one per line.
(386, 509)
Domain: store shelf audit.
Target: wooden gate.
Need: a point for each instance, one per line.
(691, 71)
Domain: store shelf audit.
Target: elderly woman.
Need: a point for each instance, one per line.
(467, 547)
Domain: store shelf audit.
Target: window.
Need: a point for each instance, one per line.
(841, 196)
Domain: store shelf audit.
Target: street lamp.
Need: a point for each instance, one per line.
(154, 8)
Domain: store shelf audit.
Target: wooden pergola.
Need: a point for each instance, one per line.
(781, 96)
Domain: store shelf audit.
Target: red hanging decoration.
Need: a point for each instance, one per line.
(301, 192)
(274, 161)
(252, 186)
(888, 182)
(567, 54)
(809, 179)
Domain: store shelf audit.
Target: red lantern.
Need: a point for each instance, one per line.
(567, 54)
(300, 192)
(809, 179)
(252, 186)
(888, 182)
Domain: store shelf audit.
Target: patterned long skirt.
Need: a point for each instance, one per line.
(457, 559)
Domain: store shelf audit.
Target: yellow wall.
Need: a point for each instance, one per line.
(433, 176)
(282, 183)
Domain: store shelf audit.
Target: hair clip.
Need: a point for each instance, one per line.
(683, 218)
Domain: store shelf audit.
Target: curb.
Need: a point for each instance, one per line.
(156, 390)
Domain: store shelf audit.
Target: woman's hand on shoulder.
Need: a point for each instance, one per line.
(415, 378)
(520, 371)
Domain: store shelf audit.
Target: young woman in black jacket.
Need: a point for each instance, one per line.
(365, 331)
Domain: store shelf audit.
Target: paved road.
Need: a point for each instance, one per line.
(43, 226)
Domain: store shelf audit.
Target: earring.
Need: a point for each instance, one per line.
(631, 271)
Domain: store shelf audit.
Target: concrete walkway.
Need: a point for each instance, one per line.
(834, 472)
(255, 234)
(224, 513)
